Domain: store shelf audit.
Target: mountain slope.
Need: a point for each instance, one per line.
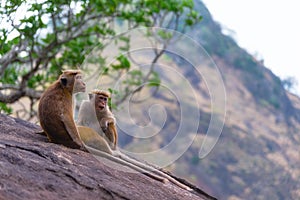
(257, 155)
(258, 152)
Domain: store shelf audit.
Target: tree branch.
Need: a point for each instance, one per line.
(15, 93)
(11, 57)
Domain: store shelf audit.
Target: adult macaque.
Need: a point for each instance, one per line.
(95, 113)
(55, 109)
(95, 117)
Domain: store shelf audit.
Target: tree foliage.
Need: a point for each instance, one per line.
(40, 38)
(290, 83)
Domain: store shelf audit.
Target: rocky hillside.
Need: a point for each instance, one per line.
(33, 168)
(257, 155)
(258, 152)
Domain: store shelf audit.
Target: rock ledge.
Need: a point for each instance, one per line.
(33, 168)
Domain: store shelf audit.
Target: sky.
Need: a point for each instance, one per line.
(268, 29)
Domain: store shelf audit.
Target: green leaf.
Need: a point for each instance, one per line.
(5, 109)
(154, 81)
(34, 81)
(10, 76)
(123, 63)
(165, 34)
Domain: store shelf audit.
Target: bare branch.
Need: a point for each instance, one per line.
(11, 56)
(12, 97)
(15, 94)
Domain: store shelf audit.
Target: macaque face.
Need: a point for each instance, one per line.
(79, 85)
(100, 102)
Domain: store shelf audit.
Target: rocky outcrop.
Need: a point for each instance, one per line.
(33, 168)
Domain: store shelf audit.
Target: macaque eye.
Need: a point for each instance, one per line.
(103, 98)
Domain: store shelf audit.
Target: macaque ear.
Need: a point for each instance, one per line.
(63, 81)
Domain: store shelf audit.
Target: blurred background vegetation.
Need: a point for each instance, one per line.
(40, 38)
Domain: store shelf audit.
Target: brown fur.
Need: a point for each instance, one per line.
(101, 92)
(55, 109)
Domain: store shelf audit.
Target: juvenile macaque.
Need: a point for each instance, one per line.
(96, 114)
(55, 109)
(95, 117)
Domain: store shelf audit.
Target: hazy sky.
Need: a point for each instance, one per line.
(270, 29)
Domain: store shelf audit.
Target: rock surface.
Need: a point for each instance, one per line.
(33, 168)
